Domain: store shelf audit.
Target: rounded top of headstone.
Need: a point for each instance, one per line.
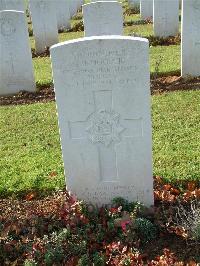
(11, 11)
(104, 2)
(100, 38)
(8, 19)
(101, 4)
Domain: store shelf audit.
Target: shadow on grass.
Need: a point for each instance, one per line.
(29, 194)
(40, 193)
(165, 74)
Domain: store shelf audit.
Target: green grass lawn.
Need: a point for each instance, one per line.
(30, 148)
(30, 154)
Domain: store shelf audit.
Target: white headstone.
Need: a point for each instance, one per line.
(12, 5)
(63, 14)
(190, 38)
(134, 3)
(43, 15)
(165, 17)
(103, 100)
(103, 18)
(146, 9)
(16, 69)
(79, 4)
(73, 7)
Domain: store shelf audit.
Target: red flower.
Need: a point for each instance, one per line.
(124, 224)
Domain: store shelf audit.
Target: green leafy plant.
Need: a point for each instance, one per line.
(99, 259)
(30, 262)
(145, 229)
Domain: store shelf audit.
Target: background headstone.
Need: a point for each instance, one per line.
(103, 100)
(146, 9)
(80, 3)
(190, 38)
(73, 7)
(134, 3)
(43, 15)
(165, 17)
(103, 18)
(16, 70)
(12, 5)
(63, 14)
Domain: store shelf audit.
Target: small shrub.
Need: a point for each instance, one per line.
(98, 259)
(126, 206)
(145, 229)
(78, 16)
(30, 32)
(132, 10)
(188, 217)
(84, 260)
(79, 26)
(30, 262)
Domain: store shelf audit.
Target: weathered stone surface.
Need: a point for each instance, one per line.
(73, 7)
(190, 38)
(12, 5)
(166, 17)
(134, 3)
(43, 14)
(80, 3)
(103, 18)
(103, 100)
(146, 9)
(16, 70)
(63, 14)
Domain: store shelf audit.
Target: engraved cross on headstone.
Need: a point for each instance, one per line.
(105, 129)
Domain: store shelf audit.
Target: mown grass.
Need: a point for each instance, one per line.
(30, 153)
(30, 149)
(165, 59)
(176, 134)
(43, 72)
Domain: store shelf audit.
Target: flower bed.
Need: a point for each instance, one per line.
(60, 230)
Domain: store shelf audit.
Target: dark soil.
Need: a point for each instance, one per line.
(24, 97)
(183, 250)
(174, 83)
(44, 54)
(158, 85)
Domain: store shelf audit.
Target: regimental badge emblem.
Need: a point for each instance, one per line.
(104, 127)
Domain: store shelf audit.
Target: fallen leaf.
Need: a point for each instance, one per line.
(30, 196)
(191, 185)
